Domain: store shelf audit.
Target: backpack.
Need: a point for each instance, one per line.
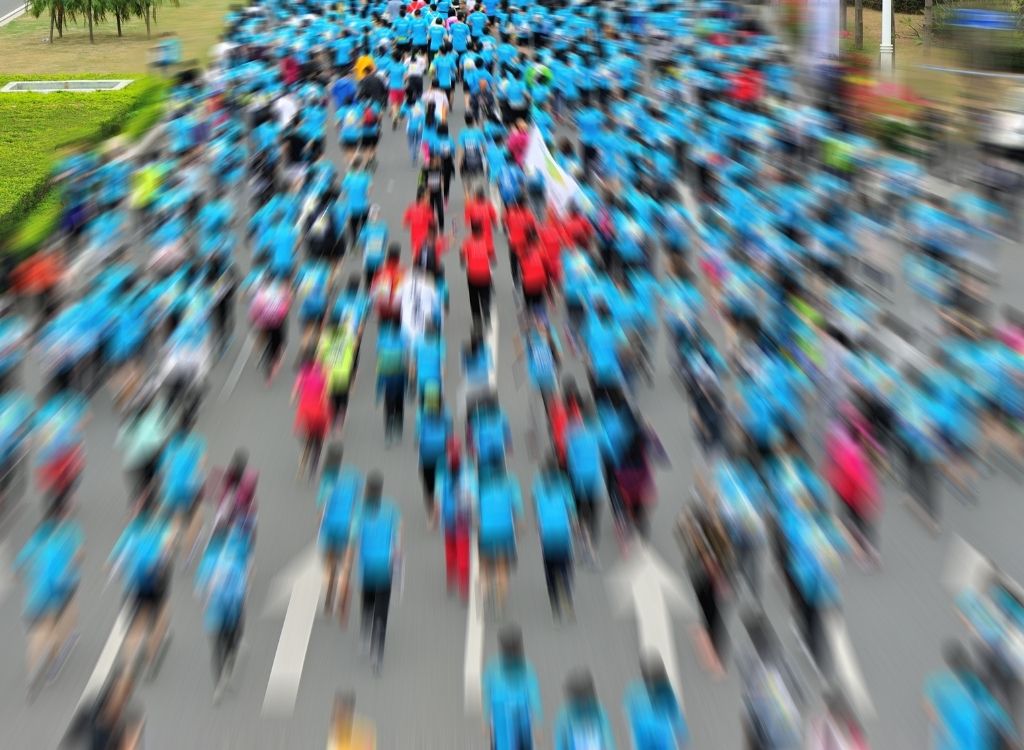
(269, 308)
(370, 117)
(473, 160)
(338, 358)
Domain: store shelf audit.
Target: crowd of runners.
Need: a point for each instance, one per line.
(645, 187)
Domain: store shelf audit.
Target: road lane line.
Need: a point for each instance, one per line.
(108, 656)
(236, 371)
(847, 668)
(473, 668)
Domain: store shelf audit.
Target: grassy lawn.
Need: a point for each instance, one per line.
(911, 55)
(35, 130)
(24, 48)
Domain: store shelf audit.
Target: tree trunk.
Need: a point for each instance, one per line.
(927, 26)
(88, 10)
(53, 21)
(117, 16)
(147, 20)
(154, 14)
(60, 22)
(858, 24)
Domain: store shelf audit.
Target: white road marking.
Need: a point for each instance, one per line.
(966, 567)
(473, 666)
(646, 587)
(846, 666)
(286, 673)
(492, 344)
(108, 656)
(236, 372)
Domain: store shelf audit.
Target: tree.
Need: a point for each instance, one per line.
(57, 11)
(858, 24)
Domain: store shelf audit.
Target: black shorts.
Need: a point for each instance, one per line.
(370, 141)
(150, 598)
(403, 47)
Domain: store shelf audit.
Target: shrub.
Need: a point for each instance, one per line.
(36, 128)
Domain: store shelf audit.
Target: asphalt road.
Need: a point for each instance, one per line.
(897, 619)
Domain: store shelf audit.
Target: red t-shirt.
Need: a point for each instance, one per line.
(578, 230)
(518, 221)
(418, 218)
(483, 213)
(478, 255)
(533, 270)
(551, 242)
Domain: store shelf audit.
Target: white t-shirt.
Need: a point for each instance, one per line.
(285, 109)
(418, 300)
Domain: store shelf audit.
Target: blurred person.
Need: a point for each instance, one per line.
(852, 477)
(434, 430)
(373, 241)
(59, 441)
(182, 473)
(338, 500)
(109, 720)
(961, 711)
(349, 731)
(392, 379)
(709, 565)
(268, 313)
(142, 558)
(585, 469)
(142, 437)
(377, 537)
(418, 218)
(428, 360)
(511, 695)
(653, 712)
(222, 582)
(385, 286)
(772, 698)
(419, 302)
(838, 728)
(582, 723)
(50, 564)
(456, 494)
(500, 511)
(556, 521)
(313, 411)
(478, 258)
(235, 493)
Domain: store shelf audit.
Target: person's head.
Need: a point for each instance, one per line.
(394, 256)
(238, 464)
(374, 489)
(510, 646)
(344, 709)
(332, 460)
(652, 671)
(580, 690)
(957, 658)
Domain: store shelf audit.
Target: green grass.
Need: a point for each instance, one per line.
(24, 48)
(38, 129)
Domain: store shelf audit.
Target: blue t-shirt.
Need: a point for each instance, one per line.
(501, 503)
(339, 499)
(583, 459)
(436, 33)
(378, 537)
(554, 509)
(181, 468)
(433, 431)
(419, 28)
(967, 714)
(460, 36)
(357, 190)
(445, 67)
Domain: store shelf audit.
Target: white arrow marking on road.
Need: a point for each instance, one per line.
(236, 372)
(302, 578)
(108, 656)
(847, 670)
(966, 567)
(473, 667)
(645, 585)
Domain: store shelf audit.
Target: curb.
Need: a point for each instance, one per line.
(7, 18)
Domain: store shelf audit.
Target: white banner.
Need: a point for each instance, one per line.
(559, 186)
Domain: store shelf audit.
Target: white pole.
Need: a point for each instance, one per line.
(885, 49)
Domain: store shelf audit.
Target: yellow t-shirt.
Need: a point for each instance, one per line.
(364, 67)
(362, 737)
